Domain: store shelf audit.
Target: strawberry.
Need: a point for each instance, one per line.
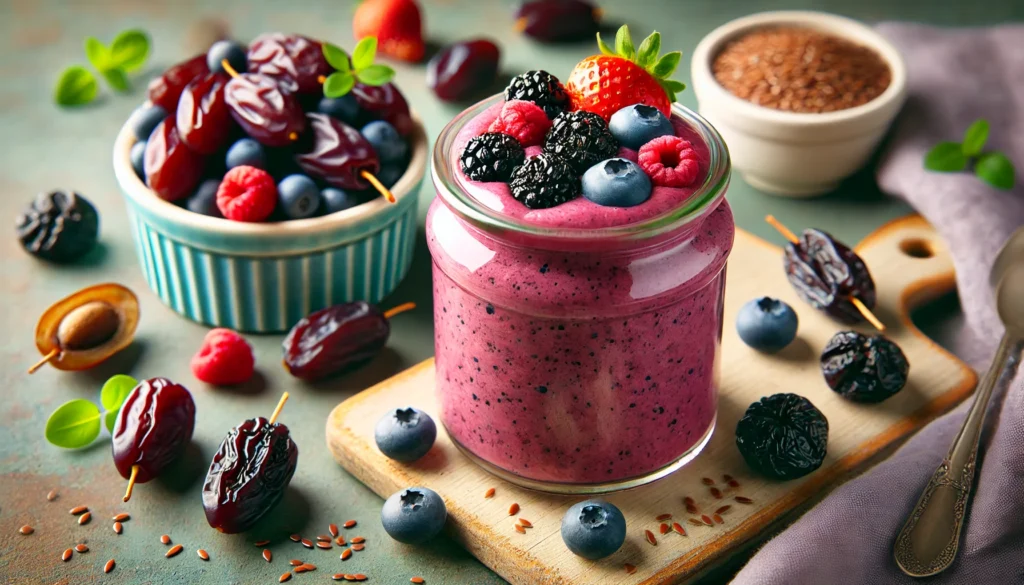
(397, 24)
(606, 83)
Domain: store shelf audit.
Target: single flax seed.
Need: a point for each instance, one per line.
(165, 539)
(358, 547)
(324, 538)
(630, 569)
(295, 562)
(203, 554)
(650, 537)
(340, 541)
(261, 543)
(67, 555)
(664, 517)
(174, 550)
(109, 566)
(26, 530)
(267, 555)
(338, 576)
(723, 509)
(718, 518)
(346, 554)
(360, 577)
(708, 481)
(519, 528)
(695, 522)
(295, 538)
(333, 529)
(526, 523)
(361, 540)
(324, 545)
(678, 529)
(733, 483)
(307, 543)
(744, 500)
(489, 493)
(664, 528)
(121, 518)
(717, 493)
(706, 520)
(79, 510)
(52, 495)
(513, 509)
(81, 548)
(284, 577)
(84, 519)
(349, 524)
(417, 580)
(305, 568)
(118, 527)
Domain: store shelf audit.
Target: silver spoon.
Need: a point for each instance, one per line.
(929, 540)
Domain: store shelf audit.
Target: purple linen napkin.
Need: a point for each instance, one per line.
(956, 76)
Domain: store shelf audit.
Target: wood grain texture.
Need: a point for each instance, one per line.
(857, 432)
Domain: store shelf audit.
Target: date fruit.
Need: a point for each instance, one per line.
(248, 474)
(339, 154)
(172, 169)
(826, 274)
(165, 90)
(562, 20)
(862, 368)
(153, 428)
(267, 114)
(295, 62)
(462, 69)
(203, 118)
(331, 339)
(383, 102)
(783, 436)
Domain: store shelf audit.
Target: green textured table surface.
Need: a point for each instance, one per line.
(46, 147)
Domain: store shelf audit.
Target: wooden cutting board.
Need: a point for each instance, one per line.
(910, 265)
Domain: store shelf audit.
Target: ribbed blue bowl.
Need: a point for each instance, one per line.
(263, 278)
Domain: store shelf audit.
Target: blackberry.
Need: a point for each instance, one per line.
(541, 88)
(545, 180)
(582, 138)
(492, 156)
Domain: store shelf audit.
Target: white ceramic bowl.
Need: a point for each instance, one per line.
(789, 153)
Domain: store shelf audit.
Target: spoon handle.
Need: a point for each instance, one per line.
(929, 540)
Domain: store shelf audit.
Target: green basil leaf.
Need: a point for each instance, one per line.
(376, 74)
(76, 86)
(605, 49)
(945, 157)
(338, 84)
(110, 419)
(975, 137)
(129, 50)
(336, 57)
(666, 65)
(624, 43)
(648, 51)
(115, 390)
(117, 78)
(75, 424)
(996, 170)
(365, 51)
(97, 53)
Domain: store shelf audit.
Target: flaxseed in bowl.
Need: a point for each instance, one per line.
(802, 98)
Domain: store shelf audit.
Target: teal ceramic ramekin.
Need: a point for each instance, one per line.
(263, 278)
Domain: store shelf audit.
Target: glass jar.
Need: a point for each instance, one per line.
(578, 360)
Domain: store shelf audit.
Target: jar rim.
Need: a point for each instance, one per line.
(705, 198)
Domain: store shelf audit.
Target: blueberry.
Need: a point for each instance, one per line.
(335, 200)
(386, 142)
(144, 119)
(204, 200)
(636, 125)
(766, 324)
(230, 50)
(138, 156)
(390, 173)
(405, 434)
(298, 196)
(413, 515)
(246, 152)
(616, 182)
(593, 529)
(344, 108)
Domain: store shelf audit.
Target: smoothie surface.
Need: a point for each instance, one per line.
(580, 213)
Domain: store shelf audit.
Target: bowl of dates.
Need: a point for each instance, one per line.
(254, 199)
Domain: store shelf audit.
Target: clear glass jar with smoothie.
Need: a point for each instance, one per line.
(577, 344)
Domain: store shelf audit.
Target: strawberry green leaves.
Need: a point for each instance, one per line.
(128, 52)
(359, 67)
(647, 56)
(76, 424)
(992, 167)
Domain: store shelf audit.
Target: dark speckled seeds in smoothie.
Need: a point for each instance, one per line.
(590, 366)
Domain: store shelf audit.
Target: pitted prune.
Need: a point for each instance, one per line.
(783, 436)
(862, 368)
(59, 226)
(248, 474)
(827, 275)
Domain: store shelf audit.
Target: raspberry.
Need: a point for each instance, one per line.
(525, 121)
(247, 194)
(224, 359)
(670, 161)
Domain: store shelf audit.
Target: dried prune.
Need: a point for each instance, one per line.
(152, 429)
(383, 102)
(862, 368)
(339, 154)
(266, 113)
(783, 436)
(248, 474)
(59, 226)
(203, 119)
(827, 275)
(295, 62)
(331, 339)
(165, 90)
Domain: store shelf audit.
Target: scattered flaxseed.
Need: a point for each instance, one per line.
(81, 548)
(346, 554)
(417, 580)
(349, 524)
(340, 541)
(307, 543)
(84, 519)
(361, 540)
(526, 523)
(333, 529)
(692, 509)
(733, 483)
(360, 577)
(121, 518)
(323, 545)
(630, 569)
(51, 496)
(519, 528)
(26, 530)
(203, 554)
(295, 538)
(489, 493)
(267, 555)
(664, 517)
(695, 522)
(358, 547)
(295, 562)
(717, 493)
(664, 528)
(165, 539)
(261, 543)
(67, 555)
(118, 527)
(718, 518)
(324, 538)
(284, 577)
(174, 550)
(650, 537)
(744, 500)
(513, 509)
(305, 568)
(338, 576)
(678, 528)
(723, 509)
(706, 520)
(79, 510)
(708, 481)
(109, 566)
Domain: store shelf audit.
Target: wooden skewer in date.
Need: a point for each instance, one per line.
(848, 297)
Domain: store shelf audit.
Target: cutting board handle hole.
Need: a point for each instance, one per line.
(917, 248)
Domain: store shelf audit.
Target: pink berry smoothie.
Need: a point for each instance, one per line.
(569, 357)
